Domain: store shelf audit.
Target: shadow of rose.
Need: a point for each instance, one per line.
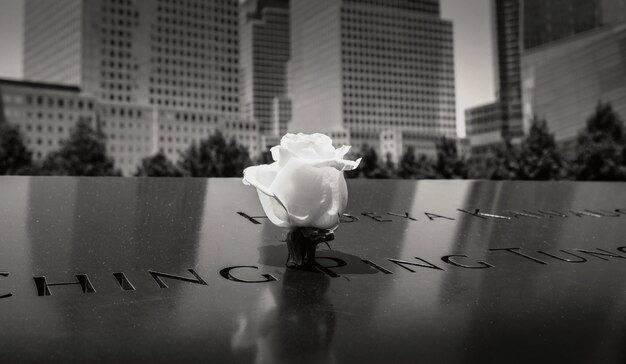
(338, 261)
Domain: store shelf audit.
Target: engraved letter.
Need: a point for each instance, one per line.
(552, 213)
(525, 214)
(123, 281)
(432, 216)
(482, 265)
(226, 274)
(514, 251)
(600, 254)
(83, 281)
(580, 259)
(372, 264)
(402, 264)
(375, 216)
(157, 277)
(323, 268)
(347, 218)
(584, 213)
(7, 295)
(604, 213)
(252, 219)
(482, 215)
(406, 215)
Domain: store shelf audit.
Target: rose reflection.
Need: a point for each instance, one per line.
(295, 322)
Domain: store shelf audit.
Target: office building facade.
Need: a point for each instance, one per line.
(369, 70)
(173, 63)
(483, 126)
(45, 113)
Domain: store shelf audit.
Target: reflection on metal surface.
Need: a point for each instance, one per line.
(295, 322)
(487, 284)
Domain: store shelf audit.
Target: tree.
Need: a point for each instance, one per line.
(539, 158)
(505, 165)
(449, 164)
(83, 154)
(479, 167)
(157, 166)
(265, 157)
(15, 158)
(214, 157)
(411, 167)
(389, 167)
(600, 147)
(370, 165)
(3, 118)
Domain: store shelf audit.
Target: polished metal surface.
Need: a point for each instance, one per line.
(415, 274)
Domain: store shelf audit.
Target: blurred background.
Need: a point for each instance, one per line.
(453, 89)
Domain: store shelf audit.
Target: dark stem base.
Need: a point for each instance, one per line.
(302, 243)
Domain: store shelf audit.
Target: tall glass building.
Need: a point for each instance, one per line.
(376, 72)
(264, 52)
(524, 27)
(563, 82)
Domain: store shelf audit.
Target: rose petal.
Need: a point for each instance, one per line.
(341, 152)
(275, 150)
(339, 164)
(338, 189)
(261, 177)
(273, 210)
(311, 194)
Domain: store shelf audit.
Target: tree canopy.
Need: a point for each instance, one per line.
(15, 158)
(157, 166)
(214, 157)
(600, 147)
(83, 154)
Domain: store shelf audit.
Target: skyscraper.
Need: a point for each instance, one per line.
(166, 70)
(564, 82)
(361, 67)
(507, 18)
(520, 27)
(264, 52)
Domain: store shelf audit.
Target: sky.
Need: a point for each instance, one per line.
(473, 49)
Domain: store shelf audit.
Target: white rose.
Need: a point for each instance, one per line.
(305, 185)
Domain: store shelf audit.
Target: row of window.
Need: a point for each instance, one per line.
(381, 93)
(195, 105)
(199, 4)
(439, 63)
(60, 102)
(372, 16)
(428, 123)
(120, 65)
(231, 38)
(181, 78)
(218, 47)
(385, 115)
